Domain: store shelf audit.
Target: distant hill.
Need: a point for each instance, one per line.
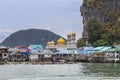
(30, 36)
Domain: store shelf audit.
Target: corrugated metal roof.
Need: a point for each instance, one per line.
(33, 47)
(112, 49)
(98, 48)
(102, 48)
(3, 47)
(19, 46)
(23, 50)
(105, 49)
(88, 48)
(117, 47)
(97, 52)
(94, 50)
(65, 52)
(47, 52)
(84, 52)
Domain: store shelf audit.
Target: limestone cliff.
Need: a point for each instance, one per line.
(106, 11)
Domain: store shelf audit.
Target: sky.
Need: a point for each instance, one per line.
(58, 16)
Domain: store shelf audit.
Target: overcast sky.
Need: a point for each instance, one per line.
(58, 16)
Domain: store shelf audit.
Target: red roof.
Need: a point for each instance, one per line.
(19, 46)
(23, 50)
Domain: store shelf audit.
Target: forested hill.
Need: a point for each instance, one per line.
(101, 19)
(30, 36)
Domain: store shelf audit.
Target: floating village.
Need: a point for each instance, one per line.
(61, 52)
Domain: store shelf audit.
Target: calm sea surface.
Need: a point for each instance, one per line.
(81, 71)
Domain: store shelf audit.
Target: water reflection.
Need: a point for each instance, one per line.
(81, 71)
(101, 69)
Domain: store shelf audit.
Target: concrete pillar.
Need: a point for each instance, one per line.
(115, 57)
(62, 55)
(68, 56)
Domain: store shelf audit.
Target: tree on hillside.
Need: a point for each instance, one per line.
(100, 43)
(94, 30)
(80, 42)
(118, 29)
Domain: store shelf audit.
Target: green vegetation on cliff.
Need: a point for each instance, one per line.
(80, 42)
(104, 28)
(95, 33)
(97, 36)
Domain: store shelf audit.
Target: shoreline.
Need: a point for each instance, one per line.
(46, 63)
(41, 63)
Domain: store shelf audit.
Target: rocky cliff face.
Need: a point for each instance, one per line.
(106, 11)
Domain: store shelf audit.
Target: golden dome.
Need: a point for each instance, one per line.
(48, 43)
(52, 43)
(61, 41)
(73, 33)
(69, 35)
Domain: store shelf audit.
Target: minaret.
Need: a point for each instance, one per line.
(71, 38)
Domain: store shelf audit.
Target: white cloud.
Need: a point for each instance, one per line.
(5, 33)
(59, 16)
(49, 28)
(8, 31)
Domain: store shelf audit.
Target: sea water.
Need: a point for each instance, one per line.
(80, 71)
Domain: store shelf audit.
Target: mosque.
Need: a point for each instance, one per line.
(62, 44)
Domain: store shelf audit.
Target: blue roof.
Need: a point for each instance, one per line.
(117, 47)
(105, 49)
(81, 52)
(25, 53)
(99, 48)
(91, 50)
(34, 47)
(65, 52)
(47, 52)
(88, 48)
(102, 48)
(84, 52)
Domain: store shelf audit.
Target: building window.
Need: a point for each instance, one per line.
(5, 54)
(0, 54)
